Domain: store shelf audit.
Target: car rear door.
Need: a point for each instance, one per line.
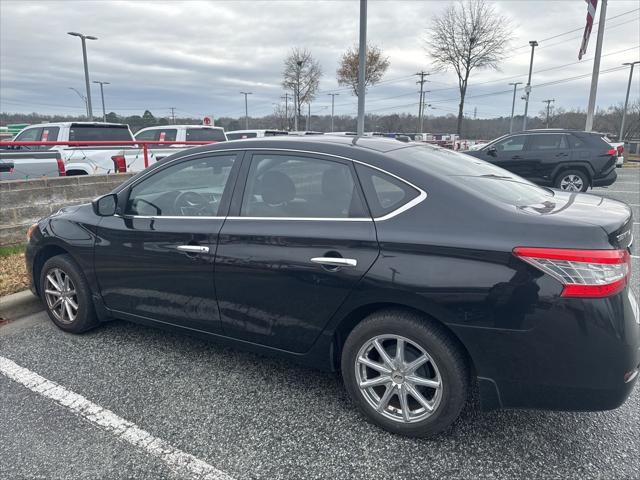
(298, 239)
(155, 258)
(544, 152)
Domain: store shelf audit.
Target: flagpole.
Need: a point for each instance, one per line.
(596, 67)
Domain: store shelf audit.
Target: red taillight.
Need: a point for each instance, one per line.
(61, 170)
(620, 149)
(119, 163)
(584, 273)
(612, 151)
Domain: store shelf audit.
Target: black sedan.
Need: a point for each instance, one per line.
(422, 274)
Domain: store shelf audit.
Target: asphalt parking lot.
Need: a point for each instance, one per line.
(248, 416)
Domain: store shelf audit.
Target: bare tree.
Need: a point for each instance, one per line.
(468, 35)
(347, 72)
(301, 75)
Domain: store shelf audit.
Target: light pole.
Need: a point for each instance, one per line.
(626, 100)
(527, 89)
(513, 104)
(246, 110)
(84, 38)
(333, 97)
(104, 113)
(84, 99)
(362, 65)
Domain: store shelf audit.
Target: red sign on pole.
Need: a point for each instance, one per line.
(206, 121)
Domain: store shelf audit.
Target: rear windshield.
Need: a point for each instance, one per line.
(476, 175)
(99, 133)
(236, 136)
(205, 135)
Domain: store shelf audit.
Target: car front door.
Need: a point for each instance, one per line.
(297, 240)
(155, 258)
(509, 154)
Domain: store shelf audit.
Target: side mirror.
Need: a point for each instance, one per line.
(491, 151)
(105, 206)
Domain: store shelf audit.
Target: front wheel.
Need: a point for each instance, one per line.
(405, 373)
(66, 295)
(572, 181)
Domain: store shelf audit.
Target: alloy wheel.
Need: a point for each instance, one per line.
(60, 294)
(398, 378)
(571, 183)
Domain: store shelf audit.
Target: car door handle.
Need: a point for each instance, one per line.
(335, 261)
(193, 249)
(516, 157)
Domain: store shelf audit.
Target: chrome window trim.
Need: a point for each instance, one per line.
(170, 217)
(419, 199)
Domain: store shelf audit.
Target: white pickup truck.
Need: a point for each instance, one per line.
(82, 160)
(182, 133)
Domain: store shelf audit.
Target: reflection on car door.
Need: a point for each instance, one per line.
(296, 242)
(543, 153)
(155, 258)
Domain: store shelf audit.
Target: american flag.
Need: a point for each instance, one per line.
(591, 13)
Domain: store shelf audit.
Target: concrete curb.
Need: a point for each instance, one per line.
(19, 305)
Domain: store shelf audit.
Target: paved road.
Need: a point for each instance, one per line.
(256, 417)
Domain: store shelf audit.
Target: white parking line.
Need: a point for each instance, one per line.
(179, 461)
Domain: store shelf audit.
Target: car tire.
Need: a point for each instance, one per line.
(446, 365)
(66, 295)
(572, 181)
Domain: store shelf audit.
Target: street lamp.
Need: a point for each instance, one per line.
(83, 38)
(626, 100)
(104, 113)
(246, 110)
(84, 99)
(527, 88)
(333, 98)
(513, 104)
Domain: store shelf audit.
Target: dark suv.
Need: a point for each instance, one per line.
(564, 159)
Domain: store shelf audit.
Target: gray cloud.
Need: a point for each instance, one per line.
(197, 56)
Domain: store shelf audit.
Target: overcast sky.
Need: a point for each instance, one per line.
(198, 56)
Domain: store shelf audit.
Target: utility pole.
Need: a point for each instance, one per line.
(626, 100)
(596, 67)
(296, 96)
(104, 113)
(333, 97)
(513, 104)
(173, 115)
(286, 109)
(246, 110)
(362, 65)
(84, 38)
(422, 80)
(527, 88)
(548, 102)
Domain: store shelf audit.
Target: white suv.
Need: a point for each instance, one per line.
(182, 133)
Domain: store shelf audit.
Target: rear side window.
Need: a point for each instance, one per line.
(79, 133)
(237, 136)
(576, 142)
(383, 192)
(205, 135)
(547, 142)
(286, 186)
(49, 134)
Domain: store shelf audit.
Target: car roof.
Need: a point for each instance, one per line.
(68, 124)
(163, 127)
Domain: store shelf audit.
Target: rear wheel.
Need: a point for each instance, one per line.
(405, 373)
(66, 295)
(572, 181)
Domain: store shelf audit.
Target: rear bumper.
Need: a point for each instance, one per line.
(606, 180)
(584, 354)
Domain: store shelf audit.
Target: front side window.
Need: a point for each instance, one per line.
(148, 135)
(384, 193)
(29, 135)
(205, 135)
(287, 186)
(188, 189)
(547, 142)
(512, 144)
